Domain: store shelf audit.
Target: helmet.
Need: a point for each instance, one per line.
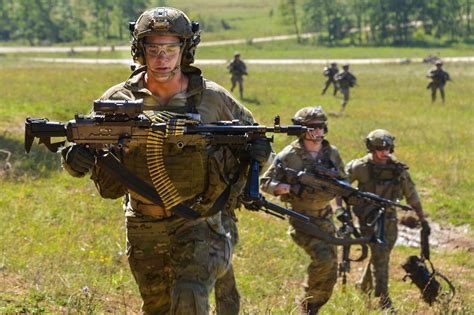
(236, 54)
(164, 21)
(346, 65)
(307, 114)
(380, 138)
(439, 62)
(333, 64)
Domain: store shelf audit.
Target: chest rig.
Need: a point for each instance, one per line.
(387, 179)
(177, 164)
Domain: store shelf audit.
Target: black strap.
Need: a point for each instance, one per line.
(119, 172)
(109, 163)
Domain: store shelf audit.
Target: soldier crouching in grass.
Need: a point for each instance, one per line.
(175, 261)
(308, 151)
(379, 172)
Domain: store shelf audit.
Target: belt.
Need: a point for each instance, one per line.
(149, 209)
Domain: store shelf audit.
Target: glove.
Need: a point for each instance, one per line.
(260, 150)
(409, 221)
(425, 227)
(78, 158)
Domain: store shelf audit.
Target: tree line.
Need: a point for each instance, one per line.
(386, 22)
(42, 22)
(357, 22)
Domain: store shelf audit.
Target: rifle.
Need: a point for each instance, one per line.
(324, 179)
(346, 230)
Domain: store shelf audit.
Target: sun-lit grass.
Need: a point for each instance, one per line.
(62, 246)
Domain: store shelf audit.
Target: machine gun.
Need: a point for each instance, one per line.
(114, 124)
(324, 179)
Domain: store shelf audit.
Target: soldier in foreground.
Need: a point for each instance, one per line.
(439, 78)
(381, 173)
(174, 261)
(304, 153)
(330, 73)
(237, 69)
(345, 81)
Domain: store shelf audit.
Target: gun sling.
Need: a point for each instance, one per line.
(119, 172)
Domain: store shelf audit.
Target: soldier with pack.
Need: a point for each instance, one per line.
(344, 81)
(330, 73)
(237, 69)
(439, 78)
(175, 261)
(379, 172)
(306, 152)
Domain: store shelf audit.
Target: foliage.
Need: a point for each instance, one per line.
(387, 22)
(392, 22)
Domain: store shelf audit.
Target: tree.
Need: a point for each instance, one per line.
(288, 11)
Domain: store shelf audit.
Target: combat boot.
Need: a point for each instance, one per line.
(309, 309)
(385, 303)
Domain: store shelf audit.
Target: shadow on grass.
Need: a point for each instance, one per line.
(15, 163)
(252, 100)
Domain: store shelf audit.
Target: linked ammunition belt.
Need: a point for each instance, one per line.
(154, 153)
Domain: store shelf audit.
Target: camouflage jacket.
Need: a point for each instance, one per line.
(296, 157)
(330, 72)
(391, 181)
(198, 171)
(438, 76)
(345, 79)
(237, 67)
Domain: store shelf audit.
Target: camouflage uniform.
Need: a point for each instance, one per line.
(391, 181)
(438, 77)
(330, 73)
(175, 261)
(345, 80)
(238, 69)
(322, 271)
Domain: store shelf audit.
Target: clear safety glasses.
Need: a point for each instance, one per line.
(169, 49)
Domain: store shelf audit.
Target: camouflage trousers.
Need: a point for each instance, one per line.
(435, 87)
(226, 293)
(176, 264)
(327, 84)
(322, 271)
(375, 276)
(237, 79)
(345, 97)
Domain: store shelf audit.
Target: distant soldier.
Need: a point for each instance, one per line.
(438, 77)
(238, 69)
(330, 73)
(344, 81)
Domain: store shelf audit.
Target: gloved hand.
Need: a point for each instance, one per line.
(260, 150)
(78, 158)
(425, 227)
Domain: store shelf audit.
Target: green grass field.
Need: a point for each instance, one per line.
(62, 245)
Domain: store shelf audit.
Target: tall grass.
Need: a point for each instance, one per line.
(61, 245)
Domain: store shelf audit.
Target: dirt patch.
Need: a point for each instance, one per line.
(442, 236)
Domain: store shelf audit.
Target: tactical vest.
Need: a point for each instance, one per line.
(311, 201)
(185, 157)
(386, 179)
